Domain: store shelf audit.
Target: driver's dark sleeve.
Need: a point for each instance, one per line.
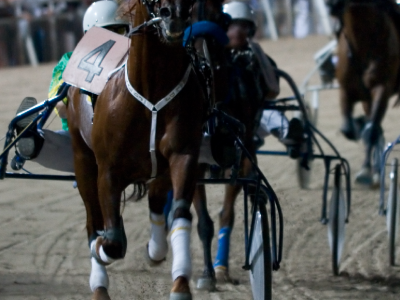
(265, 86)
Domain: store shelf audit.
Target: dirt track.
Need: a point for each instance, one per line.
(43, 245)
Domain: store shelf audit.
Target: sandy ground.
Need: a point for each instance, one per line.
(43, 246)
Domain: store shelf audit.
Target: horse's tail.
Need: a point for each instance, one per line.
(139, 191)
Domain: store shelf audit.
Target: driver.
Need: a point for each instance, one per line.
(243, 54)
(45, 146)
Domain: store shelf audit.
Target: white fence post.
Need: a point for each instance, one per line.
(270, 19)
(26, 40)
(30, 49)
(323, 16)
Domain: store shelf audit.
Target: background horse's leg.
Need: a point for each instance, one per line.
(348, 128)
(367, 107)
(227, 217)
(205, 229)
(371, 135)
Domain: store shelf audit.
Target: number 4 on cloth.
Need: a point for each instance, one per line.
(94, 67)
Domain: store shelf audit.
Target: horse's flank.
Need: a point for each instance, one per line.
(371, 47)
(368, 71)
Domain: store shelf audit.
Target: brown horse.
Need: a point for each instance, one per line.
(114, 151)
(367, 71)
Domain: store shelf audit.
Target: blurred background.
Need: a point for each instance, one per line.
(39, 31)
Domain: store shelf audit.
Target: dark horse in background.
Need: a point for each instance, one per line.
(209, 44)
(113, 152)
(367, 71)
(223, 146)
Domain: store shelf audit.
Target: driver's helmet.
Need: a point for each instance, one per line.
(241, 11)
(104, 14)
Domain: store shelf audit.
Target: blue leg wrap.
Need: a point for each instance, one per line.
(222, 258)
(168, 205)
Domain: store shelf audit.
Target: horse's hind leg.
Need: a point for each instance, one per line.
(227, 216)
(349, 127)
(372, 135)
(205, 229)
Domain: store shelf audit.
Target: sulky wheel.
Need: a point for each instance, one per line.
(392, 212)
(337, 220)
(260, 256)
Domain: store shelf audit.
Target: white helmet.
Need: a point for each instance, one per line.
(101, 14)
(240, 10)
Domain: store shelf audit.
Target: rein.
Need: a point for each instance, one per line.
(137, 29)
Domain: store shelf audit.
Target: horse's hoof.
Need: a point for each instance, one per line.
(206, 284)
(180, 290)
(222, 276)
(360, 123)
(364, 177)
(151, 262)
(376, 181)
(101, 294)
(180, 296)
(350, 134)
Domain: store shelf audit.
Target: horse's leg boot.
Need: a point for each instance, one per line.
(364, 176)
(151, 262)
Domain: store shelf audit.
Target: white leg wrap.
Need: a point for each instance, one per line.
(98, 276)
(158, 245)
(180, 243)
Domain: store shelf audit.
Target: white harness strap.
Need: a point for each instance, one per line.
(154, 109)
(116, 70)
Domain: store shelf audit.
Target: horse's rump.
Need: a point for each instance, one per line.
(368, 70)
(369, 47)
